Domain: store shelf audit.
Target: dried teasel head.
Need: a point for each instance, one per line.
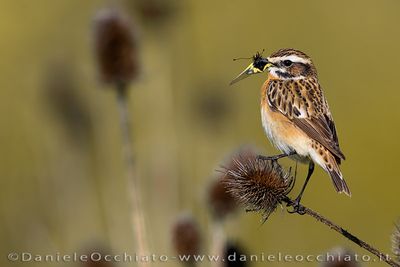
(234, 256)
(116, 47)
(186, 237)
(259, 185)
(155, 13)
(340, 257)
(66, 104)
(221, 202)
(396, 241)
(211, 106)
(95, 257)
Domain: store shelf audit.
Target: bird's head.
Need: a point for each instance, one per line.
(284, 64)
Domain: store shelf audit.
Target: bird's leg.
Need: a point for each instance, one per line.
(295, 175)
(276, 157)
(310, 172)
(297, 208)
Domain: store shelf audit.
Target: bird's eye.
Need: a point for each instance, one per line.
(287, 63)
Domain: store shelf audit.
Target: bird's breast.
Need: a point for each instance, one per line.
(276, 128)
(281, 131)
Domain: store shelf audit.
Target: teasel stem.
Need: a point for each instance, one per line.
(382, 257)
(261, 185)
(134, 193)
(218, 241)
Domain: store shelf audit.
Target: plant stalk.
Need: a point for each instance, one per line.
(382, 257)
(218, 242)
(134, 192)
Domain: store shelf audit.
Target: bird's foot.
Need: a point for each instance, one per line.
(297, 207)
(276, 157)
(266, 158)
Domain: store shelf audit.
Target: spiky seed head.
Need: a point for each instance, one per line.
(155, 13)
(396, 241)
(66, 104)
(340, 257)
(211, 106)
(260, 185)
(95, 257)
(115, 46)
(233, 255)
(221, 202)
(186, 236)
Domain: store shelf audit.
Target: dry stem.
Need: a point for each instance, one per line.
(218, 241)
(134, 192)
(383, 257)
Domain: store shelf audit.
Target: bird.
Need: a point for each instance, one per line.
(295, 115)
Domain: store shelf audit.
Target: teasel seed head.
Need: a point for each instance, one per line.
(66, 103)
(211, 106)
(221, 202)
(396, 241)
(155, 13)
(95, 257)
(186, 237)
(340, 257)
(260, 185)
(116, 47)
(234, 255)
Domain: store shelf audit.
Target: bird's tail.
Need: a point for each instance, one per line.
(332, 167)
(339, 182)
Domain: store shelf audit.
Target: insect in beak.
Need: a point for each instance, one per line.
(259, 65)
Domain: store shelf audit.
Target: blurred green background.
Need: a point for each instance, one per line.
(62, 176)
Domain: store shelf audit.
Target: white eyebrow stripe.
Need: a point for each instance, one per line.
(292, 58)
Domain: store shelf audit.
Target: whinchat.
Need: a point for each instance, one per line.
(295, 114)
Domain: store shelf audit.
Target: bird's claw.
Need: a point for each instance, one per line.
(297, 207)
(265, 158)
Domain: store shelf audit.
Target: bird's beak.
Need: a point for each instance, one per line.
(252, 69)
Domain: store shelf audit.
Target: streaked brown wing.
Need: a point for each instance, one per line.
(303, 102)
